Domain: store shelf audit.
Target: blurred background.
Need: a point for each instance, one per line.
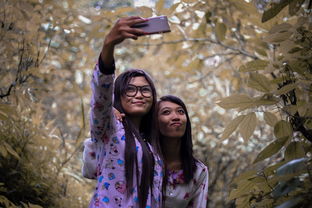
(243, 68)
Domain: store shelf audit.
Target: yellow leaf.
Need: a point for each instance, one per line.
(190, 1)
(34, 206)
(3, 116)
(283, 129)
(123, 11)
(270, 118)
(248, 125)
(159, 6)
(236, 101)
(220, 31)
(261, 52)
(259, 82)
(254, 66)
(11, 150)
(278, 37)
(284, 27)
(231, 127)
(145, 11)
(3, 151)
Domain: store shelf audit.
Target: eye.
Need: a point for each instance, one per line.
(181, 111)
(146, 89)
(165, 112)
(130, 89)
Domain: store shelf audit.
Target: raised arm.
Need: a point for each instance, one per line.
(103, 77)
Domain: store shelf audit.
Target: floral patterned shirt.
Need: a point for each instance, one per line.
(194, 194)
(108, 143)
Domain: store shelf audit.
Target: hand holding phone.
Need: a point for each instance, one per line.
(154, 25)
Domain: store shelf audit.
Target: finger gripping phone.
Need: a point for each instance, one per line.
(154, 25)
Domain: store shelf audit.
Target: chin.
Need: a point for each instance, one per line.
(138, 113)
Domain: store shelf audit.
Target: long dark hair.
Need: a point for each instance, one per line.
(186, 150)
(131, 162)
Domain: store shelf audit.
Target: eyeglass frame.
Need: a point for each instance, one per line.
(139, 88)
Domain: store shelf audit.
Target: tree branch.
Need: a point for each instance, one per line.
(238, 50)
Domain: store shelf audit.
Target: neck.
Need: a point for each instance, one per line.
(171, 150)
(136, 122)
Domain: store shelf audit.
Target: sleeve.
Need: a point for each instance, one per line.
(89, 160)
(101, 115)
(200, 197)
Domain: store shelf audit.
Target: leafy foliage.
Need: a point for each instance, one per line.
(286, 78)
(36, 163)
(256, 66)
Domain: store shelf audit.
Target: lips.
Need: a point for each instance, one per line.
(138, 103)
(176, 124)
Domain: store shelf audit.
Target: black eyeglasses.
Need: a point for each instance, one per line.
(132, 90)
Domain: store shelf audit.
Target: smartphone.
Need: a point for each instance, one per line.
(154, 25)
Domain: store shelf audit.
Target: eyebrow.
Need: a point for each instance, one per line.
(178, 108)
(139, 85)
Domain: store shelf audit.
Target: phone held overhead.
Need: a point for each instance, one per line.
(154, 25)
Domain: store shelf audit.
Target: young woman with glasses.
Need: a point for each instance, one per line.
(185, 181)
(128, 169)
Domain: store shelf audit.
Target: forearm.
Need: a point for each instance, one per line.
(101, 104)
(107, 53)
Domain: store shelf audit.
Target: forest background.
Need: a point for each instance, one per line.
(244, 69)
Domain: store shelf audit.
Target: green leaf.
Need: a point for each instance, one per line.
(292, 167)
(208, 16)
(245, 176)
(231, 127)
(243, 187)
(274, 10)
(236, 101)
(259, 82)
(285, 187)
(248, 126)
(254, 66)
(283, 129)
(285, 89)
(294, 6)
(278, 37)
(291, 203)
(294, 150)
(270, 118)
(220, 31)
(270, 170)
(271, 149)
(266, 99)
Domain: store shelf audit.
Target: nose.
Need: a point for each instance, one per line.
(175, 116)
(139, 95)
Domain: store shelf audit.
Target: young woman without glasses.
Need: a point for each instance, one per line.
(186, 179)
(128, 170)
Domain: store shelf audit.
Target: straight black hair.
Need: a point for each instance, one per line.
(186, 152)
(145, 184)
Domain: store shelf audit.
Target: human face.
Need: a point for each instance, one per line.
(138, 105)
(171, 119)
